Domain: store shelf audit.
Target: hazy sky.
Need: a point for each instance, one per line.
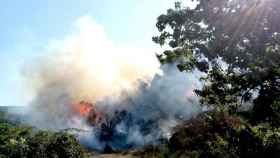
(28, 26)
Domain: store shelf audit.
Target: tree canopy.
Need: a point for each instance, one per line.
(244, 34)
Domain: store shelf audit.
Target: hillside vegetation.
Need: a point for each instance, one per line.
(236, 44)
(19, 141)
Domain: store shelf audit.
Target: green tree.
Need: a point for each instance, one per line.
(18, 141)
(244, 34)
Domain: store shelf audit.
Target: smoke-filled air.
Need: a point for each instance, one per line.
(140, 79)
(111, 97)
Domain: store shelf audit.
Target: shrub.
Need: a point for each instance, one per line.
(24, 142)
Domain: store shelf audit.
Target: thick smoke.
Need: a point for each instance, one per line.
(138, 100)
(148, 116)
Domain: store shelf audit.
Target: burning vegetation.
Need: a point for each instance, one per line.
(226, 105)
(135, 119)
(83, 108)
(119, 104)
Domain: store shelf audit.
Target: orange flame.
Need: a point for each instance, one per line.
(83, 108)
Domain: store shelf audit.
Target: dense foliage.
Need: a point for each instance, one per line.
(218, 135)
(242, 34)
(236, 44)
(18, 141)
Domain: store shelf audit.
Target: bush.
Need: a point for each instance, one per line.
(218, 135)
(24, 142)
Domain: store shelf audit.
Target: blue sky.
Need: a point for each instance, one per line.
(27, 26)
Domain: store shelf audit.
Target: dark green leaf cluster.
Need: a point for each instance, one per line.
(245, 35)
(218, 135)
(18, 141)
(236, 43)
(242, 33)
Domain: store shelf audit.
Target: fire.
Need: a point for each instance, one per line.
(88, 111)
(83, 108)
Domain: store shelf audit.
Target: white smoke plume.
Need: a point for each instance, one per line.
(87, 66)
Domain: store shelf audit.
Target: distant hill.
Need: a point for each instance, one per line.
(15, 114)
(13, 109)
